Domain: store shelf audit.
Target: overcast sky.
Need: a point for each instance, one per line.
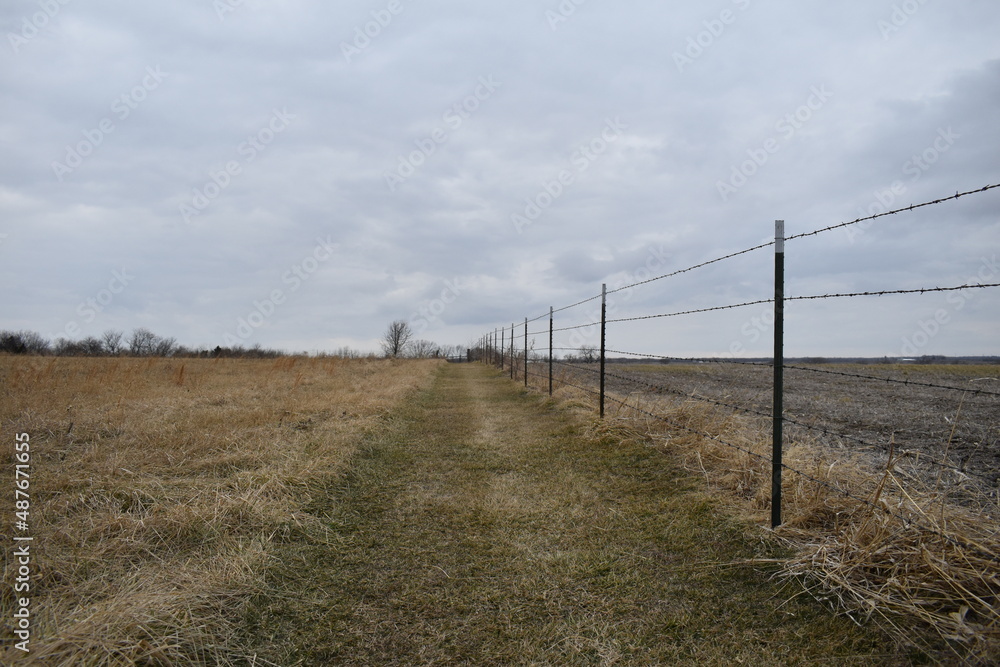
(300, 173)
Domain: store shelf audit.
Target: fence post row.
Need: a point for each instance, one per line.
(779, 369)
(779, 362)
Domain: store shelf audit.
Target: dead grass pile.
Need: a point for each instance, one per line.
(876, 544)
(159, 487)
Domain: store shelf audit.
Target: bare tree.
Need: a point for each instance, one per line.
(92, 347)
(64, 347)
(23, 342)
(424, 349)
(396, 337)
(112, 340)
(164, 347)
(588, 353)
(141, 343)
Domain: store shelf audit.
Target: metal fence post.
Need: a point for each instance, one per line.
(604, 319)
(779, 369)
(503, 350)
(526, 352)
(551, 319)
(511, 350)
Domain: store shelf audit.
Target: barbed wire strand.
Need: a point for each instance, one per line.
(767, 415)
(913, 207)
(876, 216)
(787, 420)
(907, 521)
(691, 268)
(712, 360)
(923, 290)
(691, 312)
(719, 360)
(875, 378)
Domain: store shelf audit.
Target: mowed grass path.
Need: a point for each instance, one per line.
(483, 525)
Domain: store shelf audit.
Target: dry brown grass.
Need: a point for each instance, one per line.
(893, 551)
(485, 526)
(160, 487)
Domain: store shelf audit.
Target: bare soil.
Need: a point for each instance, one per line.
(944, 436)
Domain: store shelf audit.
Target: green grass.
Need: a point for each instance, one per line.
(482, 525)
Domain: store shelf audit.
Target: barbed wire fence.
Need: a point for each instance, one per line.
(509, 349)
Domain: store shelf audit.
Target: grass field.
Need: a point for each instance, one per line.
(489, 527)
(317, 511)
(899, 529)
(160, 489)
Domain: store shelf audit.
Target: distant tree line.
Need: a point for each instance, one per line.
(142, 342)
(397, 341)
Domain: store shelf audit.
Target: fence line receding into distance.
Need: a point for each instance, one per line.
(498, 348)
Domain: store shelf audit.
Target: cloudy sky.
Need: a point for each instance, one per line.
(300, 173)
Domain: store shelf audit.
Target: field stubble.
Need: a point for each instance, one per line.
(160, 487)
(881, 532)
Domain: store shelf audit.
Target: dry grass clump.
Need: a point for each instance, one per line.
(906, 556)
(879, 545)
(159, 488)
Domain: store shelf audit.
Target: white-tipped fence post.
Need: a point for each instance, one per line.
(551, 320)
(604, 320)
(779, 369)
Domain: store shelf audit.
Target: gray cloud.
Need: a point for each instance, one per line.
(171, 101)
